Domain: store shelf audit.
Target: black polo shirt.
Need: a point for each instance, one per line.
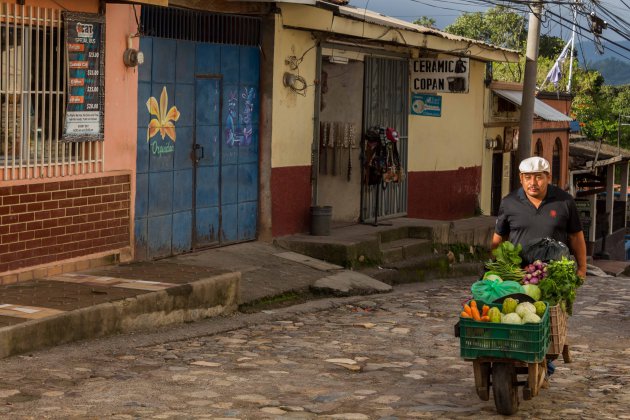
(556, 217)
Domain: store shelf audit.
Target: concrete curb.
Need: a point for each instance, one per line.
(204, 298)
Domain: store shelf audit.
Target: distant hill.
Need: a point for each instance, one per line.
(615, 72)
(614, 68)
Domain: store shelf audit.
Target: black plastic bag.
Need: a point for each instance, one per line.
(544, 249)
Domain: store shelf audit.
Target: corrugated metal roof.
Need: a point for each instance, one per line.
(370, 16)
(380, 19)
(589, 148)
(544, 111)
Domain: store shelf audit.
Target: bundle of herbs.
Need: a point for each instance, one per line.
(507, 263)
(561, 284)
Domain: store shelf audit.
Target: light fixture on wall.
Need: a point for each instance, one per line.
(131, 56)
(495, 143)
(335, 59)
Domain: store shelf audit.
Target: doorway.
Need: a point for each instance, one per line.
(497, 182)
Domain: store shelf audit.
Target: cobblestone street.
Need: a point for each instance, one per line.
(391, 356)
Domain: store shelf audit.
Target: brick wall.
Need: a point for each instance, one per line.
(54, 221)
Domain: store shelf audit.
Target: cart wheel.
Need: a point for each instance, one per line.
(505, 388)
(566, 354)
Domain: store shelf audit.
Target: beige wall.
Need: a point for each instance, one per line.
(292, 119)
(454, 140)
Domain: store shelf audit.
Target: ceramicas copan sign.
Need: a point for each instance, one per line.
(448, 75)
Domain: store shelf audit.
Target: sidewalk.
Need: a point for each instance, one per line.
(113, 299)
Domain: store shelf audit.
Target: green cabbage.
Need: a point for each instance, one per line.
(512, 318)
(491, 276)
(523, 308)
(532, 291)
(531, 318)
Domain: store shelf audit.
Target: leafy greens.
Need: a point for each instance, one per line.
(508, 262)
(561, 284)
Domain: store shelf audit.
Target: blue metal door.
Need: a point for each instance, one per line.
(197, 155)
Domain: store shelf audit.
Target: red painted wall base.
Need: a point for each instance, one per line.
(290, 200)
(444, 195)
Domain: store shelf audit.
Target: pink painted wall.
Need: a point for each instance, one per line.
(121, 98)
(121, 91)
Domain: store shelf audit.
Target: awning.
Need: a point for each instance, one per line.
(541, 109)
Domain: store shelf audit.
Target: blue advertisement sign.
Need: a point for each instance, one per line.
(426, 105)
(85, 52)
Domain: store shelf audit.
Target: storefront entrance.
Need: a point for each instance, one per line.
(197, 156)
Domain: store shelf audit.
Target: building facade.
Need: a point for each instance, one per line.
(66, 198)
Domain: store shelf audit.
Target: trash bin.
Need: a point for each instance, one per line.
(320, 220)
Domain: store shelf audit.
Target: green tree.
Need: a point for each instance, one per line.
(425, 21)
(503, 28)
(595, 105)
(497, 26)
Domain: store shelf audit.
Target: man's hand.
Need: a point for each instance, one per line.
(581, 272)
(578, 247)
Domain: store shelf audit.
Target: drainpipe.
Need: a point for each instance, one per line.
(316, 114)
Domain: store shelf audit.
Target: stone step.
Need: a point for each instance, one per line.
(422, 268)
(415, 232)
(402, 249)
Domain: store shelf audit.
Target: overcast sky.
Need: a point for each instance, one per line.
(446, 11)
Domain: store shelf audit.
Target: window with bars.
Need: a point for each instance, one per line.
(33, 97)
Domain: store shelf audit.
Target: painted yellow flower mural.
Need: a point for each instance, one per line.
(163, 121)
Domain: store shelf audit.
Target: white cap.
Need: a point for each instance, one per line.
(534, 164)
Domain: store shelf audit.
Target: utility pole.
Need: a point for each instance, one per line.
(529, 87)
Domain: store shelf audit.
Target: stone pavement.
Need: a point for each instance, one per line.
(112, 299)
(391, 356)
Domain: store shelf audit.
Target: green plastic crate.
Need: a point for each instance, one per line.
(526, 342)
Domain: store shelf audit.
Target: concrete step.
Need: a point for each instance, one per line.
(422, 268)
(402, 249)
(405, 232)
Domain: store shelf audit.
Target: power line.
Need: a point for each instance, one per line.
(610, 49)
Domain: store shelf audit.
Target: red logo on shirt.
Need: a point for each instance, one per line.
(553, 213)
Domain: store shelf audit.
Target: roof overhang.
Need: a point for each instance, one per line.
(541, 109)
(371, 26)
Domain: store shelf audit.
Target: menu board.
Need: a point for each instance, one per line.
(85, 65)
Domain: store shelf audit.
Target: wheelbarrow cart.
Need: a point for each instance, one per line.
(506, 357)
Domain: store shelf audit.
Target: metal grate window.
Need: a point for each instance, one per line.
(33, 97)
(192, 25)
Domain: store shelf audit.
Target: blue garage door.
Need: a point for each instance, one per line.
(197, 157)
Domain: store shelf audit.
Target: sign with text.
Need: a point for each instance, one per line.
(448, 75)
(426, 105)
(585, 213)
(85, 61)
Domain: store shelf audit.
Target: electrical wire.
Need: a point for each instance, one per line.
(590, 39)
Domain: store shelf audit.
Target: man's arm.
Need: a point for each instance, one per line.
(496, 240)
(578, 248)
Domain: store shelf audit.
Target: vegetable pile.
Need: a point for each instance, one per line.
(555, 282)
(508, 262)
(561, 283)
(535, 272)
(511, 312)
